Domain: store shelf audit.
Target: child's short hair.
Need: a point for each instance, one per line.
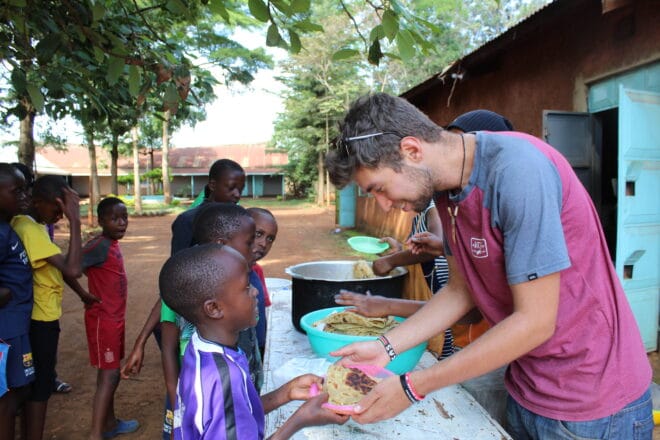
(7, 171)
(49, 188)
(106, 205)
(223, 166)
(191, 277)
(218, 221)
(26, 172)
(261, 211)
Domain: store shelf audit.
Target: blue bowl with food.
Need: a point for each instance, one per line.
(324, 342)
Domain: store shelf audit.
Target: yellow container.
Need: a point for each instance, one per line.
(656, 416)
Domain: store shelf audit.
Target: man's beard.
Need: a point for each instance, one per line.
(422, 179)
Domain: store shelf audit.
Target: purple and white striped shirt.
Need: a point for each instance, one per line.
(215, 397)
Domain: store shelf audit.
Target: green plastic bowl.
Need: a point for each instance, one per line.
(367, 245)
(323, 342)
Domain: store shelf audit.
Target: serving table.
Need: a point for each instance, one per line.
(449, 413)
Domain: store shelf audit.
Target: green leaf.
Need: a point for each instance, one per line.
(18, 3)
(18, 80)
(98, 11)
(115, 68)
(177, 6)
(343, 54)
(171, 96)
(377, 33)
(405, 44)
(273, 37)
(47, 47)
(134, 79)
(218, 7)
(390, 24)
(282, 6)
(375, 54)
(298, 6)
(296, 45)
(99, 55)
(307, 26)
(36, 97)
(259, 10)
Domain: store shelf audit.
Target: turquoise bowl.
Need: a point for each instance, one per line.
(323, 342)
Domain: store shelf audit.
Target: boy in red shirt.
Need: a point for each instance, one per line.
(105, 321)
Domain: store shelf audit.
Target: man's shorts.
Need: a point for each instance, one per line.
(105, 340)
(44, 336)
(20, 365)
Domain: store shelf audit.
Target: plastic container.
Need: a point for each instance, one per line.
(367, 245)
(323, 342)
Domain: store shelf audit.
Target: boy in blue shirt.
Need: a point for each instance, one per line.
(215, 398)
(15, 301)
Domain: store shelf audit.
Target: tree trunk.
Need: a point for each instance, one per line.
(320, 177)
(95, 192)
(114, 155)
(136, 172)
(165, 163)
(26, 140)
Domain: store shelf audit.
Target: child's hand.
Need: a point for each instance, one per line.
(133, 364)
(70, 206)
(369, 305)
(300, 387)
(312, 413)
(87, 298)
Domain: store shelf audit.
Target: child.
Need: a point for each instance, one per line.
(52, 198)
(230, 224)
(105, 321)
(226, 183)
(15, 301)
(264, 237)
(214, 398)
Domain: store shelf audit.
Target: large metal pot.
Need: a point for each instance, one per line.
(315, 284)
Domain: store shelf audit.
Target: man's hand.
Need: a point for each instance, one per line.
(385, 401)
(382, 266)
(370, 352)
(369, 305)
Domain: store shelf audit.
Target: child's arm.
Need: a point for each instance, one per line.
(170, 357)
(311, 413)
(70, 265)
(134, 361)
(298, 388)
(84, 295)
(376, 306)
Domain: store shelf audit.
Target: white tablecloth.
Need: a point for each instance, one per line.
(449, 413)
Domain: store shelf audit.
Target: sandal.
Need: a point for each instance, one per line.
(61, 387)
(123, 427)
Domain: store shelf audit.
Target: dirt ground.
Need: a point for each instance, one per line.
(304, 235)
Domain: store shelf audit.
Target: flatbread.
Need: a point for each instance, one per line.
(347, 386)
(351, 323)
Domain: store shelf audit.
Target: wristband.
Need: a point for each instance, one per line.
(388, 347)
(406, 389)
(418, 397)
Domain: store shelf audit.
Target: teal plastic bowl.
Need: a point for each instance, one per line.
(323, 342)
(367, 245)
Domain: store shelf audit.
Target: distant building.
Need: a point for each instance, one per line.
(189, 168)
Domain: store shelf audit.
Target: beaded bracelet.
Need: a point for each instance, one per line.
(388, 347)
(418, 397)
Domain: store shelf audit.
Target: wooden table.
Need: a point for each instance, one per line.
(450, 413)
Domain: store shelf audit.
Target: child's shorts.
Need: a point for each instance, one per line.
(20, 365)
(105, 340)
(44, 336)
